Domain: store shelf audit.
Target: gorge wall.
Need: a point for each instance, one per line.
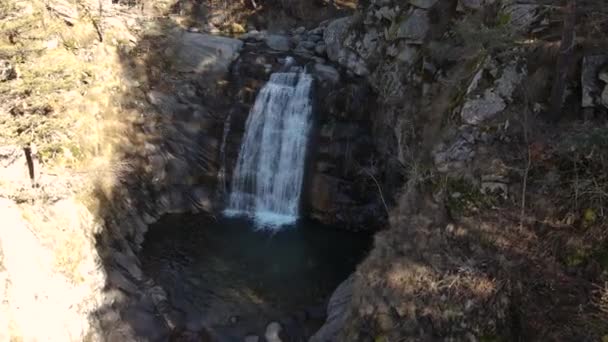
(428, 123)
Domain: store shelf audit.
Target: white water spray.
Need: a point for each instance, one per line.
(267, 180)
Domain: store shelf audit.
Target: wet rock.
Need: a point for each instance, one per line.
(272, 332)
(475, 111)
(415, 27)
(314, 38)
(426, 4)
(203, 53)
(251, 338)
(334, 36)
(277, 42)
(326, 73)
(7, 71)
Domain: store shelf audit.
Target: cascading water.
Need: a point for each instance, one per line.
(267, 180)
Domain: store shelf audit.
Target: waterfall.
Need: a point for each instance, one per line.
(267, 179)
(221, 174)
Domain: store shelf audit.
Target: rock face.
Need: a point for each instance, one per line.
(334, 36)
(203, 53)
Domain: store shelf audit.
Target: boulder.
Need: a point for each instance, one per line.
(277, 42)
(591, 85)
(320, 49)
(326, 73)
(334, 36)
(203, 53)
(314, 38)
(66, 10)
(415, 27)
(426, 4)
(470, 4)
(272, 332)
(306, 45)
(337, 312)
(7, 71)
(475, 111)
(521, 16)
(604, 97)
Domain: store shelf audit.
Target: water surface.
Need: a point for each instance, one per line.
(227, 273)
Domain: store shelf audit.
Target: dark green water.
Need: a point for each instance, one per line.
(226, 273)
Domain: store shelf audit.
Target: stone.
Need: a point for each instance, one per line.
(320, 49)
(64, 9)
(337, 312)
(306, 45)
(317, 31)
(201, 198)
(426, 4)
(7, 71)
(326, 73)
(470, 4)
(352, 62)
(253, 35)
(603, 75)
(591, 85)
(272, 332)
(385, 13)
(203, 53)
(314, 38)
(277, 42)
(454, 156)
(299, 30)
(408, 54)
(476, 111)
(415, 27)
(508, 81)
(604, 97)
(334, 35)
(251, 338)
(521, 16)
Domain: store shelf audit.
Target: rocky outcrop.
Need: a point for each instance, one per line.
(202, 53)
